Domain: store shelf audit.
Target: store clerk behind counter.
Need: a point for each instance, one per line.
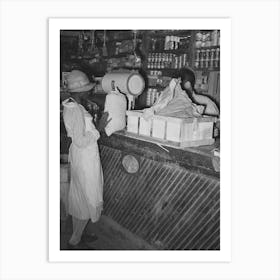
(180, 99)
(210, 108)
(187, 77)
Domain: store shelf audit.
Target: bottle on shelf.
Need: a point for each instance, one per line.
(217, 58)
(197, 58)
(167, 60)
(207, 54)
(207, 58)
(214, 38)
(152, 96)
(212, 58)
(202, 59)
(207, 39)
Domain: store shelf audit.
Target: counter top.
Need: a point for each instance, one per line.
(198, 159)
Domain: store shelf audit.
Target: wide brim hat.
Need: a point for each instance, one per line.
(83, 88)
(77, 81)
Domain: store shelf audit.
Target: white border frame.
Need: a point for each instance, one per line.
(55, 254)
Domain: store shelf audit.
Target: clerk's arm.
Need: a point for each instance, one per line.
(210, 107)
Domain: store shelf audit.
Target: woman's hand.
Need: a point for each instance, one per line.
(103, 121)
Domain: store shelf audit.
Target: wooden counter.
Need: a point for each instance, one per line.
(172, 201)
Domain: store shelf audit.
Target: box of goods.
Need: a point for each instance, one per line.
(171, 131)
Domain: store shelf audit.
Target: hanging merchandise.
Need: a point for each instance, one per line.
(104, 49)
(80, 44)
(137, 58)
(93, 47)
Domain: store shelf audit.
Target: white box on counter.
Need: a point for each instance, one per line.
(173, 131)
(133, 123)
(145, 126)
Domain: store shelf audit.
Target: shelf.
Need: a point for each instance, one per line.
(125, 68)
(164, 69)
(178, 51)
(179, 33)
(174, 69)
(206, 48)
(207, 69)
(157, 87)
(124, 39)
(120, 55)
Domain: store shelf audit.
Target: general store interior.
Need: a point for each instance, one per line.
(177, 206)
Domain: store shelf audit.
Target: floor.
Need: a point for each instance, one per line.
(111, 236)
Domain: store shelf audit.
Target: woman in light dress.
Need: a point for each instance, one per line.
(85, 200)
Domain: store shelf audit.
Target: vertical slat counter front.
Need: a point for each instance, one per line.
(168, 197)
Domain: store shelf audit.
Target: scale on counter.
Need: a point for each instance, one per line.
(130, 83)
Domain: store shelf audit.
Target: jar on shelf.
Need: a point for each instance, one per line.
(198, 44)
(203, 40)
(197, 58)
(214, 38)
(198, 36)
(202, 59)
(207, 58)
(166, 42)
(148, 97)
(212, 58)
(217, 58)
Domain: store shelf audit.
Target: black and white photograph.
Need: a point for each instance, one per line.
(140, 139)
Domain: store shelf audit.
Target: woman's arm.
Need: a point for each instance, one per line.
(102, 123)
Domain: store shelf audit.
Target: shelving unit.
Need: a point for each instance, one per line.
(173, 49)
(170, 50)
(206, 62)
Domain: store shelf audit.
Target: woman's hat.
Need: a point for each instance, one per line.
(77, 81)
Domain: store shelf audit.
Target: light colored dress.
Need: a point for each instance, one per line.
(86, 185)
